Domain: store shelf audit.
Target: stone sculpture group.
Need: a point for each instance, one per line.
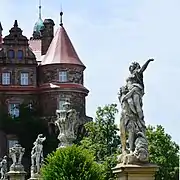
(132, 125)
(67, 123)
(132, 117)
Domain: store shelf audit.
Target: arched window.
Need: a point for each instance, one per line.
(11, 54)
(20, 54)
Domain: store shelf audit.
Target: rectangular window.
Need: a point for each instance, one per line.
(61, 102)
(6, 78)
(62, 76)
(14, 109)
(12, 142)
(24, 78)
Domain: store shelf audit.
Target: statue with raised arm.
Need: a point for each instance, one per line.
(66, 122)
(37, 155)
(16, 153)
(132, 117)
(3, 166)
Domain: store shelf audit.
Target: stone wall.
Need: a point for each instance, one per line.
(49, 101)
(50, 73)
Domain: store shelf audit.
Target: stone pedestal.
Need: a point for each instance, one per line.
(35, 177)
(16, 175)
(135, 172)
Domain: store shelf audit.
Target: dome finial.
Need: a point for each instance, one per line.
(61, 14)
(39, 9)
(15, 23)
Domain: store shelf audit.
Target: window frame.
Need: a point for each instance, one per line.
(13, 56)
(13, 139)
(6, 80)
(63, 76)
(18, 57)
(14, 111)
(23, 81)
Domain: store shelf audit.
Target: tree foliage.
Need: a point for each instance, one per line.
(164, 152)
(102, 138)
(71, 163)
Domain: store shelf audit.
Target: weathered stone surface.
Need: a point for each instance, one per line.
(16, 169)
(50, 73)
(135, 172)
(49, 101)
(132, 117)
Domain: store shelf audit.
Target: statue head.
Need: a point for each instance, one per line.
(5, 157)
(134, 66)
(40, 139)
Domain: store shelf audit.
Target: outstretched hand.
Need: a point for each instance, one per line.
(151, 59)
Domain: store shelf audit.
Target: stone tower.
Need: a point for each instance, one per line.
(61, 74)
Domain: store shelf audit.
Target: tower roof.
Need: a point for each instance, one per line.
(38, 25)
(61, 50)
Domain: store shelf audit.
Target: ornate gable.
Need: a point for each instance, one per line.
(15, 48)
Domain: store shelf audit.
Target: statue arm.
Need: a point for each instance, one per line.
(129, 94)
(145, 65)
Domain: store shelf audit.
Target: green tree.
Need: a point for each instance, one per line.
(71, 163)
(164, 152)
(102, 138)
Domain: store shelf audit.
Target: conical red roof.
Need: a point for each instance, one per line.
(61, 50)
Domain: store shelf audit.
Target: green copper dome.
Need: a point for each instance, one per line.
(38, 26)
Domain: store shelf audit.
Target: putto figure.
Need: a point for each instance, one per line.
(3, 166)
(132, 117)
(37, 155)
(67, 121)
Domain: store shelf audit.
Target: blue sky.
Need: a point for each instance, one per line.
(108, 35)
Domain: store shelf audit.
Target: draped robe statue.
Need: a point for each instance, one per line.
(132, 117)
(37, 155)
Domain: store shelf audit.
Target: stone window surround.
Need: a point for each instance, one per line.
(13, 109)
(18, 55)
(25, 73)
(63, 75)
(11, 140)
(10, 77)
(15, 54)
(12, 51)
(13, 101)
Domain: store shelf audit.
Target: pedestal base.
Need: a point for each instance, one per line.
(35, 177)
(16, 175)
(135, 172)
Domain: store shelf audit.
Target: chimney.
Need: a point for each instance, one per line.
(1, 29)
(47, 35)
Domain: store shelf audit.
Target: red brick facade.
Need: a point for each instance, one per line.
(17, 57)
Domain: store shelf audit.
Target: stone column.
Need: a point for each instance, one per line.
(16, 169)
(135, 172)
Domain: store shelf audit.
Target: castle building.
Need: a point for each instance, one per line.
(43, 72)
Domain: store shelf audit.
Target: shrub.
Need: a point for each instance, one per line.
(71, 163)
